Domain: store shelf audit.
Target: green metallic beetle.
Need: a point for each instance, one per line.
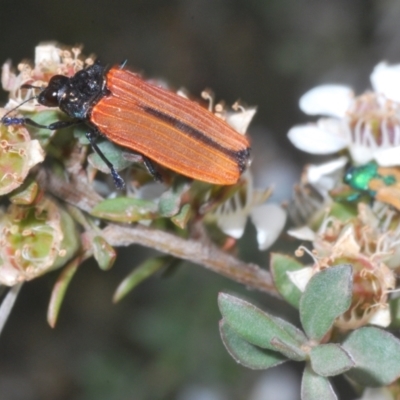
(379, 183)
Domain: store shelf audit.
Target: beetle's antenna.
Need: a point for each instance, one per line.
(24, 86)
(28, 86)
(18, 106)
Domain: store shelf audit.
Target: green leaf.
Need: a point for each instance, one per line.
(395, 312)
(7, 303)
(139, 274)
(113, 154)
(26, 193)
(287, 349)
(248, 355)
(343, 211)
(181, 219)
(60, 288)
(79, 133)
(327, 295)
(103, 253)
(45, 117)
(293, 331)
(170, 200)
(316, 387)
(330, 359)
(280, 265)
(376, 354)
(71, 239)
(125, 209)
(258, 327)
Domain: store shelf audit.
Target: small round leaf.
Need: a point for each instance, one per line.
(103, 253)
(183, 216)
(170, 201)
(280, 265)
(330, 359)
(376, 354)
(327, 295)
(125, 209)
(256, 326)
(316, 387)
(113, 154)
(248, 355)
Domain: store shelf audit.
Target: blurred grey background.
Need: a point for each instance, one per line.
(162, 341)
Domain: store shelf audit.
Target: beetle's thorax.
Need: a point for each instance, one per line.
(78, 94)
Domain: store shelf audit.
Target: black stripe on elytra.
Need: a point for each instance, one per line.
(241, 156)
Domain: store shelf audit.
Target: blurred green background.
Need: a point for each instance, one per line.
(162, 341)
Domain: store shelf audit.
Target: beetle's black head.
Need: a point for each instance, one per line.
(54, 92)
(75, 95)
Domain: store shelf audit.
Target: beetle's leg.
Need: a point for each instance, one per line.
(118, 181)
(152, 169)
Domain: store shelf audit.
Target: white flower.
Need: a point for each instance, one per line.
(368, 126)
(47, 53)
(385, 80)
(268, 219)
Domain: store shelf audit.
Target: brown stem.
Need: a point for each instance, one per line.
(79, 194)
(84, 197)
(195, 251)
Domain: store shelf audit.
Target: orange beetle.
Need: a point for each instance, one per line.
(162, 126)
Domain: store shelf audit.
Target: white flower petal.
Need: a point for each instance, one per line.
(269, 220)
(240, 120)
(361, 154)
(301, 277)
(381, 318)
(347, 242)
(9, 275)
(232, 224)
(385, 80)
(35, 153)
(315, 172)
(388, 157)
(302, 233)
(329, 100)
(47, 54)
(323, 176)
(324, 138)
(9, 80)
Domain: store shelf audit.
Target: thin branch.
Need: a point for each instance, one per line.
(195, 251)
(83, 196)
(79, 194)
